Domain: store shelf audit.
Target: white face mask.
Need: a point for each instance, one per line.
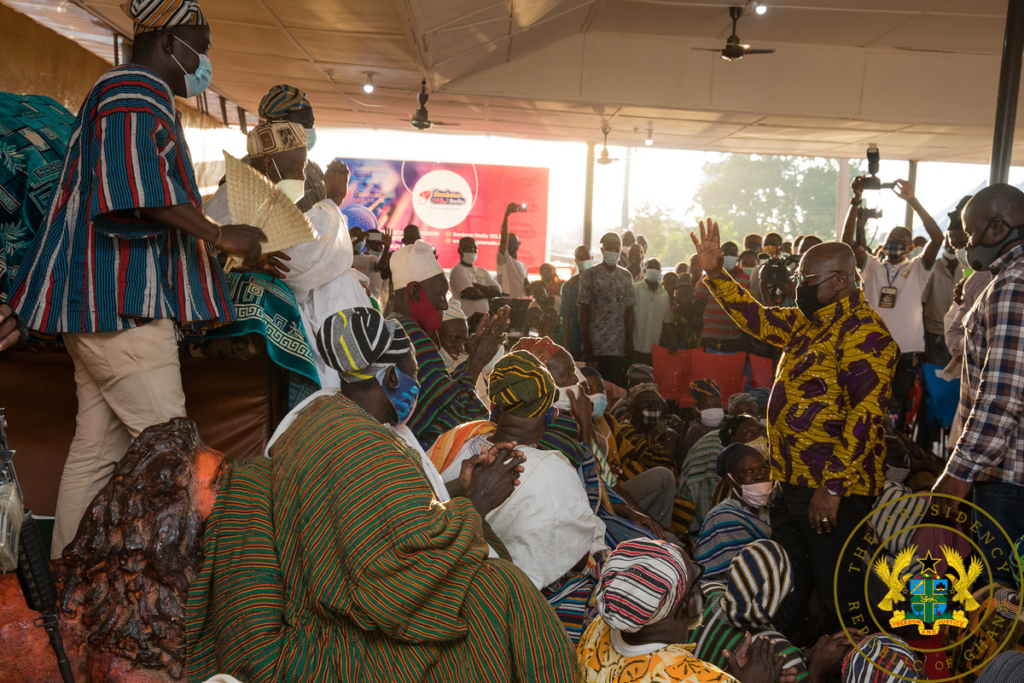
(563, 404)
(712, 417)
(897, 475)
(469, 257)
(290, 188)
(755, 495)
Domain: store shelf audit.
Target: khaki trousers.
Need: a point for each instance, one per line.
(126, 381)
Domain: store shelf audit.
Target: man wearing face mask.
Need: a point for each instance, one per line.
(894, 286)
(288, 103)
(570, 307)
(653, 315)
(606, 301)
(472, 285)
(720, 332)
(825, 415)
(990, 452)
(126, 253)
(511, 271)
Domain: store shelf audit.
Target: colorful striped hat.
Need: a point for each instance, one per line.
(359, 343)
(154, 15)
(759, 579)
(642, 582)
(704, 387)
(273, 137)
(641, 389)
(879, 659)
(541, 347)
(280, 100)
(521, 385)
(638, 372)
(454, 312)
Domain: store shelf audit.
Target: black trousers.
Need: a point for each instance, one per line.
(613, 369)
(815, 558)
(902, 383)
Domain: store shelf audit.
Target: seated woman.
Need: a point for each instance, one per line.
(698, 477)
(742, 517)
(648, 600)
(758, 580)
(707, 405)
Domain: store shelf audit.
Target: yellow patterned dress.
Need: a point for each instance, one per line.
(600, 662)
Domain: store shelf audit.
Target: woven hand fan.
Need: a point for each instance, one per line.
(254, 200)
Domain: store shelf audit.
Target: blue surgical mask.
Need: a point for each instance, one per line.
(653, 275)
(610, 257)
(357, 247)
(600, 402)
(748, 271)
(197, 83)
(403, 397)
(310, 138)
(583, 265)
(729, 262)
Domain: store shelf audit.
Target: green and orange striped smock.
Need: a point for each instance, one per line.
(333, 561)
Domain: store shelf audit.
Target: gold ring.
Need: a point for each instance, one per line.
(824, 519)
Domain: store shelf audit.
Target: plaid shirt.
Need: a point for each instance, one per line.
(96, 264)
(992, 386)
(831, 390)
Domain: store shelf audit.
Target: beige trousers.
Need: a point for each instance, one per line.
(126, 381)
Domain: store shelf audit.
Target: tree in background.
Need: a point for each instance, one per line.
(668, 239)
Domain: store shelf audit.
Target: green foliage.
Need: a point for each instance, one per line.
(668, 239)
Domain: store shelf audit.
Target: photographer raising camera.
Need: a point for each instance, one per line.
(894, 285)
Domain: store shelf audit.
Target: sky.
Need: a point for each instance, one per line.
(662, 177)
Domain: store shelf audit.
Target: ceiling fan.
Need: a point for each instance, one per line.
(421, 119)
(733, 48)
(604, 159)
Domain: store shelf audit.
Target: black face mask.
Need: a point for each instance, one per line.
(807, 298)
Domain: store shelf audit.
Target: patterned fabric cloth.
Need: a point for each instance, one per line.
(831, 389)
(34, 133)
(600, 661)
(1006, 668)
(718, 633)
(274, 137)
(991, 447)
(642, 582)
(717, 323)
(699, 477)
(445, 401)
(638, 452)
(152, 15)
(521, 385)
(993, 628)
(333, 561)
(97, 266)
(728, 528)
(893, 521)
(975, 285)
(759, 579)
(572, 598)
(359, 343)
(705, 388)
(879, 659)
(541, 347)
(280, 100)
(643, 374)
(607, 292)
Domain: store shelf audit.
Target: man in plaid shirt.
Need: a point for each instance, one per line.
(990, 452)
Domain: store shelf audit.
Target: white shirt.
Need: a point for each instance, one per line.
(512, 276)
(906, 319)
(363, 264)
(462, 278)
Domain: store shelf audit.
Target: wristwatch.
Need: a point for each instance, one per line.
(855, 201)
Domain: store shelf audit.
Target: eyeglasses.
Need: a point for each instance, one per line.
(801, 279)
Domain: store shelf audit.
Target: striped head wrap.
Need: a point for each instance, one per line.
(521, 385)
(273, 137)
(759, 579)
(1005, 668)
(454, 311)
(359, 343)
(879, 659)
(641, 389)
(741, 398)
(642, 582)
(541, 347)
(280, 100)
(640, 373)
(705, 387)
(154, 15)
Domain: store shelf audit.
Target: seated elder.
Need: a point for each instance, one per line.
(336, 559)
(648, 599)
(742, 517)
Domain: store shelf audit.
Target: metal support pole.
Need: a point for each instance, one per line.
(625, 189)
(842, 197)
(223, 109)
(241, 121)
(117, 53)
(588, 198)
(908, 218)
(1009, 89)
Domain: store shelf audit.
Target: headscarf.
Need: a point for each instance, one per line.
(541, 347)
(759, 579)
(280, 100)
(705, 387)
(274, 137)
(761, 394)
(1005, 668)
(741, 398)
(640, 373)
(414, 263)
(521, 385)
(155, 15)
(641, 583)
(731, 455)
(641, 389)
(359, 343)
(878, 659)
(454, 311)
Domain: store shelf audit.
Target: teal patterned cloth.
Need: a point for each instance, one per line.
(34, 133)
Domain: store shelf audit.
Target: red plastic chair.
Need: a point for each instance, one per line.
(668, 369)
(726, 369)
(761, 373)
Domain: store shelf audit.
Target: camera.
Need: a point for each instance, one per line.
(871, 181)
(867, 214)
(776, 273)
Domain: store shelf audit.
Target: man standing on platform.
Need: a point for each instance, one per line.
(606, 301)
(126, 252)
(825, 418)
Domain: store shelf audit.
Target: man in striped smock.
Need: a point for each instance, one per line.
(126, 253)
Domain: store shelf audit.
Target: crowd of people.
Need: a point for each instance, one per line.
(469, 497)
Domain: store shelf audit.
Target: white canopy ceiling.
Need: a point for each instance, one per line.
(918, 77)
